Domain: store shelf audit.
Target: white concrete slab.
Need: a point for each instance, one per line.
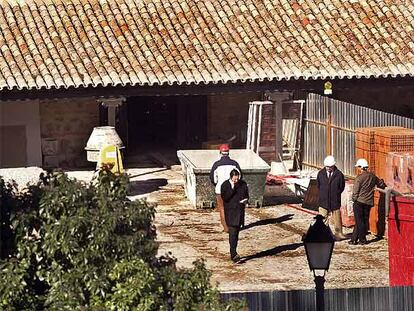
(202, 160)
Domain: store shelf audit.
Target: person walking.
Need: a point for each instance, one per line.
(220, 172)
(363, 198)
(235, 195)
(331, 184)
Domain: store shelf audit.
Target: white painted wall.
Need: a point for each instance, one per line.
(25, 113)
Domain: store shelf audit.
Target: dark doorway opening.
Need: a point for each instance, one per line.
(151, 122)
(162, 124)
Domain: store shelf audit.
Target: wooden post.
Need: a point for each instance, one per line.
(1, 138)
(329, 129)
(279, 130)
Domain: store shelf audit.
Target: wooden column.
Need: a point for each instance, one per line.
(279, 130)
(1, 137)
(329, 128)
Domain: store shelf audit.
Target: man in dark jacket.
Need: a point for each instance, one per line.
(363, 197)
(235, 195)
(331, 184)
(218, 174)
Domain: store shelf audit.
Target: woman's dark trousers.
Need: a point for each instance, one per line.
(361, 214)
(233, 240)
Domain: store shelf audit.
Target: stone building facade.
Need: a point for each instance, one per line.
(65, 128)
(53, 133)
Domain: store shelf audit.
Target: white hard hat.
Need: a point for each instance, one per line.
(361, 163)
(329, 161)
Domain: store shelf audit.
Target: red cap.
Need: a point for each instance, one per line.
(224, 148)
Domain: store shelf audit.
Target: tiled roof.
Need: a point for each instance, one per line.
(72, 43)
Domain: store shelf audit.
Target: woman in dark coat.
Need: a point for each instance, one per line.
(235, 195)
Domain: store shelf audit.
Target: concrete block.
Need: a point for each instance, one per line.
(278, 168)
(50, 146)
(51, 161)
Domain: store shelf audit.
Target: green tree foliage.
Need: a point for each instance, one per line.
(66, 245)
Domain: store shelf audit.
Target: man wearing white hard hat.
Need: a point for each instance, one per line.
(331, 184)
(363, 197)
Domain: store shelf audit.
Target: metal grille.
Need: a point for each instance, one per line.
(350, 299)
(341, 119)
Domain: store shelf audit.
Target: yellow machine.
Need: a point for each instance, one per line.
(111, 156)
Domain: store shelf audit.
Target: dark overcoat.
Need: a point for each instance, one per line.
(330, 190)
(233, 209)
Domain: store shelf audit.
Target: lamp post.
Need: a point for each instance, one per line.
(319, 243)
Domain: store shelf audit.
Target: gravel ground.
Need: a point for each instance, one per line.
(273, 254)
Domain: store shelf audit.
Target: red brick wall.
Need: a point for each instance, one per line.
(268, 134)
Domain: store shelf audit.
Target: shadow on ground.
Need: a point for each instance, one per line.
(376, 239)
(270, 221)
(271, 252)
(139, 187)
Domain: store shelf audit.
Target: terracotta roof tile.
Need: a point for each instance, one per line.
(71, 43)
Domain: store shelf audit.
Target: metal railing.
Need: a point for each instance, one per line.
(346, 299)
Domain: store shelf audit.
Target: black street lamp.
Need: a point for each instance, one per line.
(319, 243)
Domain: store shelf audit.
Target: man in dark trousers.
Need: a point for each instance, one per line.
(235, 195)
(219, 173)
(363, 197)
(331, 184)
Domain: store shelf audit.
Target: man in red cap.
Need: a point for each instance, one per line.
(220, 172)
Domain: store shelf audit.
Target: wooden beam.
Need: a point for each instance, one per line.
(315, 86)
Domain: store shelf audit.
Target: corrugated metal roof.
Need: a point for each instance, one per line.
(72, 43)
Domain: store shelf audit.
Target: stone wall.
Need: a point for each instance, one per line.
(228, 116)
(65, 128)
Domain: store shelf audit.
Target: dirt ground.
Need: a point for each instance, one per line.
(273, 254)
